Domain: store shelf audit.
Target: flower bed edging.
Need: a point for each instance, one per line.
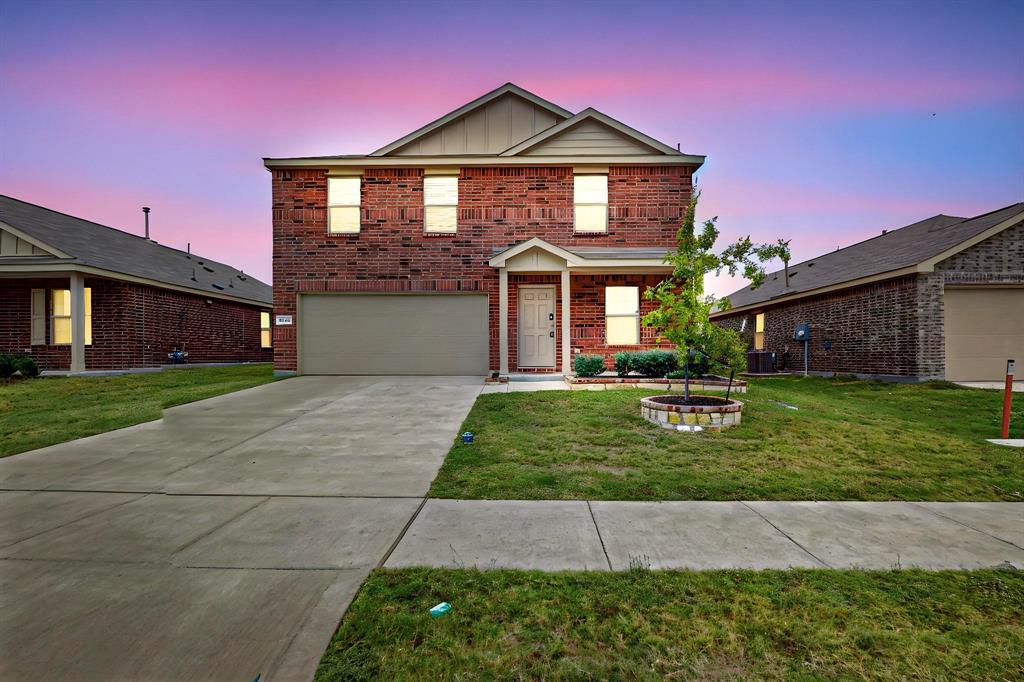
(691, 418)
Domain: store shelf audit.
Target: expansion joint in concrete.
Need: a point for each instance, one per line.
(785, 535)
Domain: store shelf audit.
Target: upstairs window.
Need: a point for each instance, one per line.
(60, 316)
(590, 201)
(440, 203)
(343, 205)
(759, 332)
(265, 341)
(622, 316)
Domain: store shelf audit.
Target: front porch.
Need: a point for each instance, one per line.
(50, 315)
(555, 303)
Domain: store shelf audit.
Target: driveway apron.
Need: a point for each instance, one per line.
(223, 541)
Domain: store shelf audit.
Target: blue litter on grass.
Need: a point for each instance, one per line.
(467, 437)
(440, 610)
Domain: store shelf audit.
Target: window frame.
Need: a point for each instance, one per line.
(453, 206)
(53, 317)
(357, 206)
(268, 330)
(576, 204)
(608, 316)
(759, 320)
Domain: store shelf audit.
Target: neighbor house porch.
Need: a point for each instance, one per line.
(555, 303)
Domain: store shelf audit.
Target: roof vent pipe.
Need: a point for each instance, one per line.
(145, 211)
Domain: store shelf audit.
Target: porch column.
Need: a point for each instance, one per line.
(77, 323)
(503, 320)
(566, 341)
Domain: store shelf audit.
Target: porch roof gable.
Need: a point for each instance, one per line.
(589, 256)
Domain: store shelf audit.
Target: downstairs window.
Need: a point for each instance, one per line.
(622, 316)
(60, 316)
(265, 336)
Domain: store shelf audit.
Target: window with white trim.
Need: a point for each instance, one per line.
(60, 316)
(265, 337)
(343, 205)
(622, 316)
(590, 203)
(440, 204)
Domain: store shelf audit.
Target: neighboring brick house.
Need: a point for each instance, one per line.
(78, 296)
(506, 236)
(940, 299)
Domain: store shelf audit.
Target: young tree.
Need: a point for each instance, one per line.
(684, 310)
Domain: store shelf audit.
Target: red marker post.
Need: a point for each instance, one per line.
(1007, 399)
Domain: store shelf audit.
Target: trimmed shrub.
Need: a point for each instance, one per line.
(623, 363)
(653, 363)
(6, 365)
(588, 365)
(26, 365)
(13, 362)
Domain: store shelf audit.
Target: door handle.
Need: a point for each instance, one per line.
(551, 334)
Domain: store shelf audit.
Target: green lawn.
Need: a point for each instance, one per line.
(850, 440)
(45, 411)
(722, 625)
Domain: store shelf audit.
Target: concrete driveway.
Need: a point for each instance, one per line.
(221, 542)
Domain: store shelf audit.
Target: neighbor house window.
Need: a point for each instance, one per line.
(60, 316)
(343, 205)
(265, 330)
(590, 201)
(622, 315)
(440, 203)
(759, 331)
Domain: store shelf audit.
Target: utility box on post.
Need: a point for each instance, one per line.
(802, 332)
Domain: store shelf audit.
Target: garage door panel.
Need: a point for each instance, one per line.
(984, 327)
(393, 334)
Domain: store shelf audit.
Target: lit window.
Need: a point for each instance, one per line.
(622, 315)
(265, 330)
(60, 316)
(759, 332)
(343, 205)
(590, 200)
(440, 203)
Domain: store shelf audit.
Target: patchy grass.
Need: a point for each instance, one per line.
(42, 412)
(850, 440)
(807, 624)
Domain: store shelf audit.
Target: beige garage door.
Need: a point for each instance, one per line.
(984, 328)
(393, 334)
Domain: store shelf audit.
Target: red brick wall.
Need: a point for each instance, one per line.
(498, 207)
(872, 329)
(587, 311)
(136, 326)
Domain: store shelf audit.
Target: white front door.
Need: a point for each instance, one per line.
(537, 327)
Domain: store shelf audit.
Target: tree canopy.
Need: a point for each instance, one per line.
(683, 315)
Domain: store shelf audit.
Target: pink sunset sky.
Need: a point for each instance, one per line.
(823, 122)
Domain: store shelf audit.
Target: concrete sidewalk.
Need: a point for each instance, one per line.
(571, 535)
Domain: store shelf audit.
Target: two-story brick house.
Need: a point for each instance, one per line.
(505, 236)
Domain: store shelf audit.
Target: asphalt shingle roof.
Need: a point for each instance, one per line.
(107, 248)
(894, 250)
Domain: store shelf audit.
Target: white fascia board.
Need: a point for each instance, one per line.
(330, 162)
